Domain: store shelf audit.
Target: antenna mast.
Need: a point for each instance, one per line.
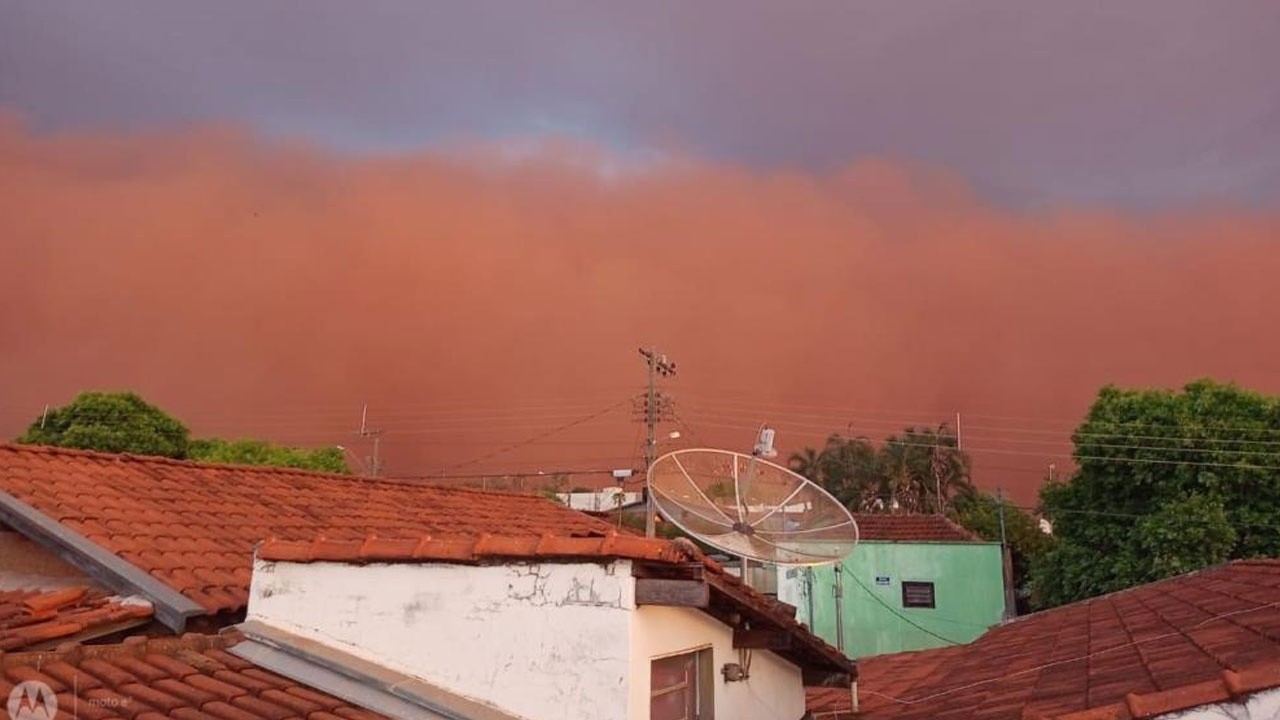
(375, 463)
(656, 363)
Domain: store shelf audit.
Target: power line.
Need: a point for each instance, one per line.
(1164, 448)
(906, 415)
(898, 425)
(539, 436)
(491, 475)
(894, 610)
(1155, 638)
(1184, 438)
(972, 450)
(1137, 516)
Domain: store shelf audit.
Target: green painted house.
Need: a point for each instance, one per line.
(913, 582)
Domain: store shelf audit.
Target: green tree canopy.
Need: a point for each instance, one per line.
(124, 422)
(111, 422)
(1167, 482)
(980, 512)
(258, 452)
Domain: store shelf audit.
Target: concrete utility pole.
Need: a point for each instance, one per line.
(657, 364)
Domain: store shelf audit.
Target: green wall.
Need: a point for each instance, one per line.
(968, 595)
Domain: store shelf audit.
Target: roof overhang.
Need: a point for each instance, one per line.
(172, 608)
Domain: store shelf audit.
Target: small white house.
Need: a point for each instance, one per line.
(604, 500)
(587, 628)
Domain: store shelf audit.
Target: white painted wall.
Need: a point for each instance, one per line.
(774, 691)
(1263, 705)
(605, 500)
(793, 590)
(541, 641)
(554, 641)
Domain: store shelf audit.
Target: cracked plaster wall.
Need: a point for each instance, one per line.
(539, 640)
(1263, 705)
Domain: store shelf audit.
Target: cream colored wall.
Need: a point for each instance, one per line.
(774, 691)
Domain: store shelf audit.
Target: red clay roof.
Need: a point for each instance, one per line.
(194, 526)
(910, 528)
(30, 617)
(187, 678)
(1202, 638)
(728, 589)
(474, 549)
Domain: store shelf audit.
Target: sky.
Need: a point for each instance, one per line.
(837, 217)
(1142, 103)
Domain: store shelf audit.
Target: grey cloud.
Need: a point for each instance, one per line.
(1149, 102)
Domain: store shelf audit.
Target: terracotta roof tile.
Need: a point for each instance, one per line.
(474, 549)
(29, 617)
(194, 526)
(910, 528)
(1205, 637)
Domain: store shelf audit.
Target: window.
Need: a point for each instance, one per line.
(680, 687)
(917, 594)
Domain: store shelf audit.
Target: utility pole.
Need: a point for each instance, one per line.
(838, 591)
(959, 441)
(656, 363)
(1000, 500)
(375, 463)
(1006, 563)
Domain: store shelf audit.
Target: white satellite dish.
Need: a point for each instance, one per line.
(749, 507)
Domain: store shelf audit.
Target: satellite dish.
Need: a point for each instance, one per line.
(750, 507)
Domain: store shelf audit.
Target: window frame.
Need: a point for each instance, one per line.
(704, 681)
(914, 584)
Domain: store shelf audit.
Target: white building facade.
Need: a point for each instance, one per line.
(538, 640)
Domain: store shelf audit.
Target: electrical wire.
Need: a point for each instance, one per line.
(522, 474)
(897, 427)
(1136, 516)
(1167, 448)
(1056, 663)
(969, 448)
(894, 610)
(1074, 433)
(535, 438)
(913, 416)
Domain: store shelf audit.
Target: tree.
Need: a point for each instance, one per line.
(258, 452)
(124, 422)
(1167, 482)
(925, 467)
(111, 422)
(979, 513)
(905, 473)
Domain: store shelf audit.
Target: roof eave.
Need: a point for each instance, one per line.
(172, 608)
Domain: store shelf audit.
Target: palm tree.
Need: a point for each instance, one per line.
(806, 462)
(927, 467)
